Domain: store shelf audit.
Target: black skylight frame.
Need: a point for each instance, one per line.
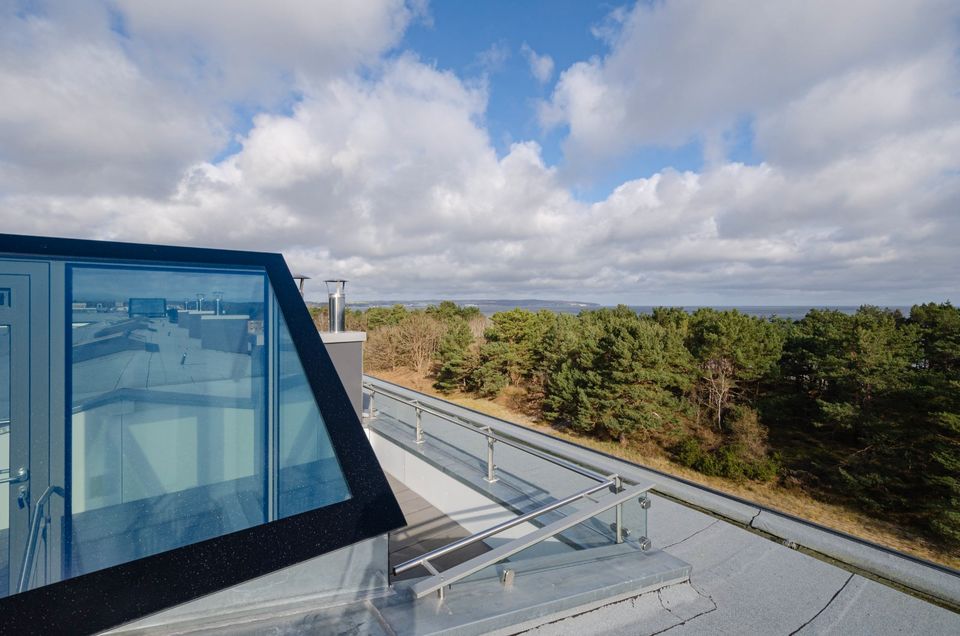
(115, 595)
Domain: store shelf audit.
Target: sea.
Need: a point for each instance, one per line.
(491, 306)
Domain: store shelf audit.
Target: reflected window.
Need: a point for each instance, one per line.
(5, 464)
(310, 475)
(168, 440)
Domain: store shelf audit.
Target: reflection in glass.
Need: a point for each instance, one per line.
(4, 377)
(169, 413)
(310, 475)
(4, 459)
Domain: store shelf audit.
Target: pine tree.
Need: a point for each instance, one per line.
(622, 374)
(453, 356)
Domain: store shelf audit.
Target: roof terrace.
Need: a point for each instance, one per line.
(170, 466)
(690, 561)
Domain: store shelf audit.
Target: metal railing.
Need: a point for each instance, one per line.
(486, 431)
(613, 482)
(497, 529)
(40, 513)
(440, 580)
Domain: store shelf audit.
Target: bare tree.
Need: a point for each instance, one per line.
(478, 325)
(419, 339)
(382, 349)
(718, 376)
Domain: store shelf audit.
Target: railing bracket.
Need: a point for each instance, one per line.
(624, 531)
(491, 477)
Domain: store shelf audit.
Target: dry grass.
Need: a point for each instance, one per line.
(793, 501)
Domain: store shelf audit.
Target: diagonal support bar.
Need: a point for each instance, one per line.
(497, 529)
(465, 569)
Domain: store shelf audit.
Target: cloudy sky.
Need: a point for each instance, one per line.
(668, 152)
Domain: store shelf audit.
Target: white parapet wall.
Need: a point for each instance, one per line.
(470, 507)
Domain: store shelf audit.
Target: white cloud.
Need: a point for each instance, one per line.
(90, 109)
(862, 107)
(678, 70)
(256, 49)
(541, 66)
(387, 175)
(493, 58)
(78, 116)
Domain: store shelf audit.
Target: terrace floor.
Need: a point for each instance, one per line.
(427, 529)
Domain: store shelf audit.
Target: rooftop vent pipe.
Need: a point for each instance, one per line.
(337, 304)
(300, 278)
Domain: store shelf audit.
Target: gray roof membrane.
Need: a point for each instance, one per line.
(741, 581)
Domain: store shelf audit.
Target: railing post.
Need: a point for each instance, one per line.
(618, 484)
(490, 478)
(419, 425)
(372, 411)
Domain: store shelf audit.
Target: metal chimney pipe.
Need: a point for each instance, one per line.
(301, 279)
(337, 304)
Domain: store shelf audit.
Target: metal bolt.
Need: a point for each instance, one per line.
(623, 530)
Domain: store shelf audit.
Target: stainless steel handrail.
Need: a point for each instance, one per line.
(486, 431)
(506, 525)
(441, 580)
(27, 568)
(613, 481)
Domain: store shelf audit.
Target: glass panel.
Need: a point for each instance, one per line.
(525, 483)
(310, 475)
(169, 410)
(4, 378)
(4, 459)
(591, 542)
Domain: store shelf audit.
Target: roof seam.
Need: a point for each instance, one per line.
(824, 608)
(695, 616)
(703, 529)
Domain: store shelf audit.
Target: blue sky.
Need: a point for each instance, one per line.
(464, 36)
(671, 152)
(460, 35)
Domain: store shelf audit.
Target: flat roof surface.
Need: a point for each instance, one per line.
(741, 582)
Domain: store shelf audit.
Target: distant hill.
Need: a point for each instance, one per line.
(486, 306)
(491, 306)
